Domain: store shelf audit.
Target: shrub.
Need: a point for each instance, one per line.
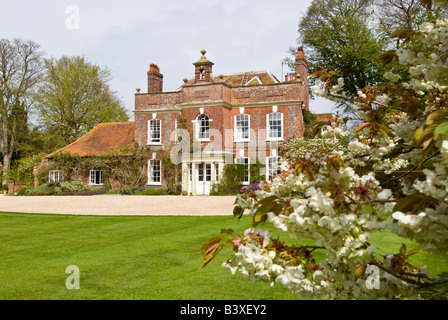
(62, 188)
(129, 190)
(230, 181)
(72, 187)
(45, 189)
(252, 188)
(23, 169)
(25, 191)
(151, 191)
(297, 148)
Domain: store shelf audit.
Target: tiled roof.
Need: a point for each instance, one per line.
(325, 117)
(244, 79)
(101, 140)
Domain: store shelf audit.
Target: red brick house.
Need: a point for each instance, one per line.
(235, 118)
(238, 117)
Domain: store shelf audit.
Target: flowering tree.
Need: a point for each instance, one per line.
(332, 194)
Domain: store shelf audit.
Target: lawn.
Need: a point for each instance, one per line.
(124, 257)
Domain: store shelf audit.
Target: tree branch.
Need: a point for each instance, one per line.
(404, 277)
(413, 169)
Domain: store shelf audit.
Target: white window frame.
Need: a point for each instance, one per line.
(55, 176)
(151, 171)
(216, 172)
(268, 127)
(244, 161)
(152, 141)
(93, 176)
(239, 130)
(269, 169)
(198, 127)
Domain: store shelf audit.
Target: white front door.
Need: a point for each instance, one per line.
(204, 176)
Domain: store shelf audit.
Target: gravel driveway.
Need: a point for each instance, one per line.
(120, 205)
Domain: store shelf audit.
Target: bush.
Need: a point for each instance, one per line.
(25, 191)
(296, 149)
(45, 189)
(73, 187)
(151, 191)
(129, 190)
(230, 181)
(62, 188)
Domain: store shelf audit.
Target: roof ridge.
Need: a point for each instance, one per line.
(112, 123)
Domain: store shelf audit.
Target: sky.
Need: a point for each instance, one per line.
(126, 36)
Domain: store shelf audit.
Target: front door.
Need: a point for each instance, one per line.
(204, 176)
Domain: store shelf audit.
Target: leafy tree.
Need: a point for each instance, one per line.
(393, 15)
(21, 66)
(76, 96)
(333, 195)
(336, 36)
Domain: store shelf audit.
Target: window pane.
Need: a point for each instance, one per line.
(154, 131)
(273, 166)
(242, 126)
(155, 175)
(216, 171)
(275, 125)
(201, 172)
(208, 172)
(203, 123)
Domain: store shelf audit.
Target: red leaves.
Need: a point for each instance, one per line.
(387, 57)
(213, 245)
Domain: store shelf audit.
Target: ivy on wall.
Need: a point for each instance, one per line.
(121, 169)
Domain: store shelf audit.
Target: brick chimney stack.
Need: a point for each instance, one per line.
(302, 74)
(155, 79)
(301, 65)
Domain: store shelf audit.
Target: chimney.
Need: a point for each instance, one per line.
(302, 65)
(302, 74)
(155, 79)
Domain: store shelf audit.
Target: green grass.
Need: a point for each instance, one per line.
(125, 257)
